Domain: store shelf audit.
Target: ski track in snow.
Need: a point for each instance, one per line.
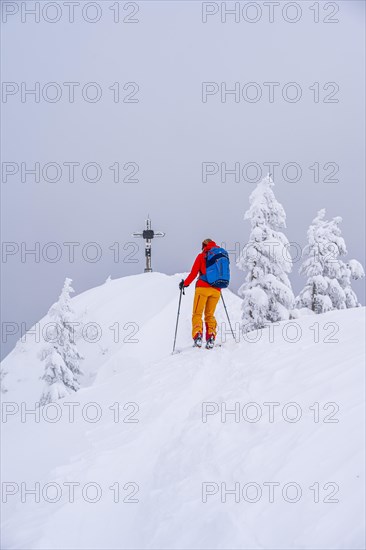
(170, 452)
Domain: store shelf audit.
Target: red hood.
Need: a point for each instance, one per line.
(209, 246)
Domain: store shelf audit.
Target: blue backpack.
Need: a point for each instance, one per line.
(217, 268)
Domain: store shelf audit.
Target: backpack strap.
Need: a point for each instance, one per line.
(214, 258)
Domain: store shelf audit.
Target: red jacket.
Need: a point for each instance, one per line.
(199, 267)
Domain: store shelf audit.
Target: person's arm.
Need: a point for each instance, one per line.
(194, 271)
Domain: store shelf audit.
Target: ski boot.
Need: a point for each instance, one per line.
(210, 341)
(197, 340)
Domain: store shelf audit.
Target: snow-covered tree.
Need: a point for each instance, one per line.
(350, 270)
(58, 377)
(328, 283)
(321, 265)
(267, 294)
(62, 359)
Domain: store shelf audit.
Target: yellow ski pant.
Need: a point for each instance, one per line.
(205, 300)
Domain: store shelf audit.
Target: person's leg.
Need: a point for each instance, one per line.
(199, 302)
(210, 320)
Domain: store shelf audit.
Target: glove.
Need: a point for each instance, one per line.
(181, 284)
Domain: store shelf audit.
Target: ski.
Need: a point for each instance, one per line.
(178, 351)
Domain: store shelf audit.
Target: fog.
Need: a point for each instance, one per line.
(160, 122)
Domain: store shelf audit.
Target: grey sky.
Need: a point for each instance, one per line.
(170, 132)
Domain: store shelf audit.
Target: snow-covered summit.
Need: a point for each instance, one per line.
(255, 444)
(127, 320)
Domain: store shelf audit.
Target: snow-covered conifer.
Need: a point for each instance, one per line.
(328, 283)
(350, 270)
(267, 294)
(62, 358)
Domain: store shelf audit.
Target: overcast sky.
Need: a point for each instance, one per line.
(161, 132)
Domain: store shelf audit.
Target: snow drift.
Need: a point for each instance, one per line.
(255, 444)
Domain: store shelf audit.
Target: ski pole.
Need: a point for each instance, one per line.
(176, 326)
(223, 301)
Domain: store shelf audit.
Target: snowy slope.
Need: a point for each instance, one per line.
(170, 459)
